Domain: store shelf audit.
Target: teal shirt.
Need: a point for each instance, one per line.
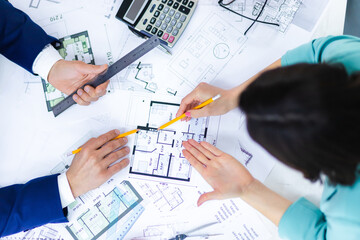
(339, 214)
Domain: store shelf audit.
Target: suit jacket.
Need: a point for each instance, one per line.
(25, 206)
(21, 40)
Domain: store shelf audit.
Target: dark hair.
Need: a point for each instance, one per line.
(308, 117)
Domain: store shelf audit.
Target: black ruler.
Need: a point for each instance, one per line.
(119, 65)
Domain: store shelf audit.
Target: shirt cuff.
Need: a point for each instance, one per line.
(45, 60)
(66, 196)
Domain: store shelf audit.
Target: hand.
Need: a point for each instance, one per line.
(68, 76)
(204, 91)
(91, 166)
(228, 177)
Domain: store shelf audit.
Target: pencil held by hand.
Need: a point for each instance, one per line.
(210, 100)
(119, 136)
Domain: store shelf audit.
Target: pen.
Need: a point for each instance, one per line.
(120, 136)
(183, 115)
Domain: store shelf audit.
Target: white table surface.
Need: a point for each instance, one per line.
(282, 179)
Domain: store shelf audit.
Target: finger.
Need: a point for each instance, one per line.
(185, 103)
(196, 153)
(101, 89)
(214, 150)
(112, 146)
(91, 92)
(117, 167)
(114, 156)
(209, 155)
(85, 96)
(79, 100)
(207, 197)
(194, 162)
(101, 140)
(198, 113)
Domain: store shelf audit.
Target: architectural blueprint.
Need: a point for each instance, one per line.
(73, 47)
(49, 231)
(275, 11)
(209, 50)
(93, 214)
(158, 153)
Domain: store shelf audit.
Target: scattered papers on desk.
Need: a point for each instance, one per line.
(213, 45)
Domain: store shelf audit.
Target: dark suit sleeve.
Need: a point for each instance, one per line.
(26, 206)
(21, 40)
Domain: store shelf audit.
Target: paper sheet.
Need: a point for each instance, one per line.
(44, 138)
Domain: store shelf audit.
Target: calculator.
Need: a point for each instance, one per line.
(166, 19)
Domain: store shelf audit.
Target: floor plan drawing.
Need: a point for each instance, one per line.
(49, 231)
(244, 155)
(158, 153)
(164, 196)
(73, 47)
(93, 214)
(208, 51)
(277, 11)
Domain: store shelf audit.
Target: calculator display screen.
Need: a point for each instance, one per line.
(134, 10)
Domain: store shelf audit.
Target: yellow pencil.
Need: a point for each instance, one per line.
(197, 107)
(120, 136)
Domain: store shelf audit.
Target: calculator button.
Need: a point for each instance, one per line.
(162, 16)
(185, 2)
(166, 10)
(160, 7)
(170, 3)
(176, 5)
(152, 8)
(164, 26)
(183, 18)
(173, 22)
(167, 19)
(177, 15)
(163, 1)
(184, 9)
(171, 39)
(156, 14)
(153, 20)
(148, 28)
(179, 25)
(154, 30)
(165, 36)
(191, 4)
(175, 32)
(145, 21)
(160, 33)
(158, 23)
(171, 13)
(169, 29)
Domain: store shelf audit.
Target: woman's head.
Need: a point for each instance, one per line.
(307, 116)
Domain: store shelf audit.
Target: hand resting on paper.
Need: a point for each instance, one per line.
(228, 177)
(91, 166)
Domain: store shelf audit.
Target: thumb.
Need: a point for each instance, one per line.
(198, 113)
(92, 69)
(208, 196)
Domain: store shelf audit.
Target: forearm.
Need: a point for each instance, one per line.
(25, 206)
(266, 201)
(21, 40)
